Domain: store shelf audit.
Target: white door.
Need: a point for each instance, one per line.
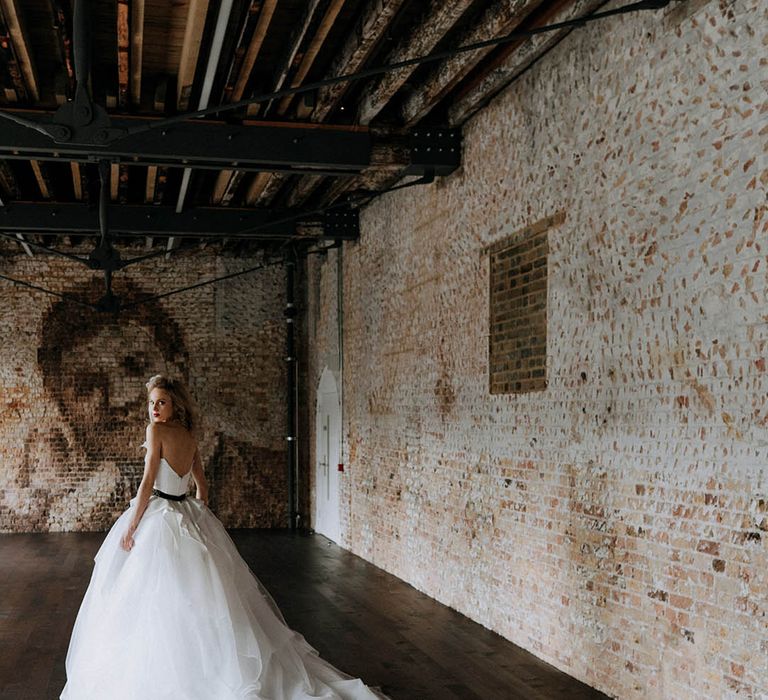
(328, 436)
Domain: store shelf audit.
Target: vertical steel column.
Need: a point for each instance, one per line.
(290, 359)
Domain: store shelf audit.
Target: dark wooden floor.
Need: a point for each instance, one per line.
(363, 620)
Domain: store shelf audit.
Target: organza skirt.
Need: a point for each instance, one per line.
(182, 617)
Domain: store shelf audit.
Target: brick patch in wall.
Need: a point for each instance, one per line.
(517, 304)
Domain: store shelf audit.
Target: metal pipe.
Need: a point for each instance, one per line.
(290, 315)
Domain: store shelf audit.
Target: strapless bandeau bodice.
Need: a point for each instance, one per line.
(168, 481)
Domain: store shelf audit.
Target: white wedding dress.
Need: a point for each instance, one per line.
(182, 617)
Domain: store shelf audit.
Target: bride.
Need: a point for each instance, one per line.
(172, 611)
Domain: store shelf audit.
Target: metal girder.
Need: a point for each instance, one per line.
(156, 221)
(196, 143)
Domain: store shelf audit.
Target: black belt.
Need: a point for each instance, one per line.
(158, 492)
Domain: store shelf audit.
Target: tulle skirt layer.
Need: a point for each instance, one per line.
(182, 617)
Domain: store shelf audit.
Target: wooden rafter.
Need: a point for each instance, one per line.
(123, 51)
(270, 185)
(516, 57)
(243, 69)
(364, 38)
(14, 21)
(310, 54)
(15, 89)
(366, 35)
(303, 189)
(41, 177)
(137, 49)
(266, 185)
(435, 23)
(226, 186)
(8, 185)
(294, 45)
(61, 23)
(193, 36)
(79, 183)
(499, 19)
(253, 32)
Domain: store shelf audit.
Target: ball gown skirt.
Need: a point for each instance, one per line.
(182, 617)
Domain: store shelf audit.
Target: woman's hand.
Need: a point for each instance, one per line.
(127, 540)
(200, 496)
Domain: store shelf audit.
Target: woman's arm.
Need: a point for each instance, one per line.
(199, 476)
(151, 466)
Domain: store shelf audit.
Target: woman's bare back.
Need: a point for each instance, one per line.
(178, 446)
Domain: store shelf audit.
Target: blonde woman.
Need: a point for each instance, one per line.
(172, 611)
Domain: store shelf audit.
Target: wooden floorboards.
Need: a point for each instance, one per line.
(361, 619)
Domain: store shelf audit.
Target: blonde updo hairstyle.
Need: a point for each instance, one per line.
(184, 409)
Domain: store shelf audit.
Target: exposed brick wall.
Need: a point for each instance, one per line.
(72, 396)
(613, 523)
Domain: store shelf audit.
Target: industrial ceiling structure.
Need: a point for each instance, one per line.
(241, 124)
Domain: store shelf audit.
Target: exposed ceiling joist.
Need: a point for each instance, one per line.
(41, 177)
(62, 21)
(499, 19)
(310, 54)
(123, 51)
(78, 184)
(515, 57)
(8, 186)
(193, 37)
(14, 20)
(435, 23)
(137, 49)
(292, 49)
(368, 33)
(254, 47)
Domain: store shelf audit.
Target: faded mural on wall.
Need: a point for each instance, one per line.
(81, 460)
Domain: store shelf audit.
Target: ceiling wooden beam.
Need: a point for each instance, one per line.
(123, 51)
(515, 57)
(303, 189)
(137, 49)
(78, 180)
(8, 185)
(193, 37)
(310, 54)
(254, 47)
(498, 20)
(440, 17)
(41, 176)
(14, 19)
(114, 181)
(254, 30)
(366, 36)
(61, 23)
(294, 44)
